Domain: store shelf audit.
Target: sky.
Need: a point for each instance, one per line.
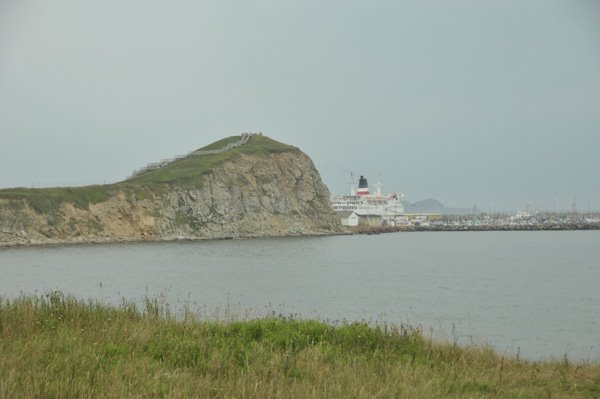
(492, 102)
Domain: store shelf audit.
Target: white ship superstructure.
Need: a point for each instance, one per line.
(387, 207)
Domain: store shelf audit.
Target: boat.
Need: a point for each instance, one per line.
(377, 208)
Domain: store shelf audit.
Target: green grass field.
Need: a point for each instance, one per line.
(184, 172)
(56, 346)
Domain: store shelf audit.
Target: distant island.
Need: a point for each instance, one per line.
(240, 186)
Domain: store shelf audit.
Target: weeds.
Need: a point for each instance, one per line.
(57, 346)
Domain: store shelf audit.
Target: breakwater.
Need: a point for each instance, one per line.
(463, 227)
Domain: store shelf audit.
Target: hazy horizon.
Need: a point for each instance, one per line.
(495, 103)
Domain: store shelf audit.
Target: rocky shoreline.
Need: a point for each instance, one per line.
(351, 231)
(449, 227)
(120, 240)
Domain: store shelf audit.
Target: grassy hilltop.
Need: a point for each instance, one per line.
(187, 171)
(183, 172)
(53, 346)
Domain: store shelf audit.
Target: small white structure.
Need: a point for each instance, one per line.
(397, 221)
(348, 218)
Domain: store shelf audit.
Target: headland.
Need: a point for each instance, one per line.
(240, 186)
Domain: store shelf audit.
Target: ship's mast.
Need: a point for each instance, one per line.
(378, 187)
(352, 186)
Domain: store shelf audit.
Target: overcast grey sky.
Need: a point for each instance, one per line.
(494, 101)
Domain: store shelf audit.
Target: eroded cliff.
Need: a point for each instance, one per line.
(264, 188)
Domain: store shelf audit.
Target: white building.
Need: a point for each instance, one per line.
(348, 218)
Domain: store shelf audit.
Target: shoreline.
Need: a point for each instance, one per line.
(117, 241)
(465, 228)
(366, 230)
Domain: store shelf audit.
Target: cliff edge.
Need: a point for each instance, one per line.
(260, 188)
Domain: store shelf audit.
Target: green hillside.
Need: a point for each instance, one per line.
(46, 200)
(190, 170)
(184, 172)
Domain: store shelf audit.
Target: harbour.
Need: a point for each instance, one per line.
(363, 212)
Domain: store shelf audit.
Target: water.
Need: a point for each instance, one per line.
(532, 293)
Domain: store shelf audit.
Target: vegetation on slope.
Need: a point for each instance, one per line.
(48, 200)
(220, 143)
(189, 171)
(184, 172)
(56, 346)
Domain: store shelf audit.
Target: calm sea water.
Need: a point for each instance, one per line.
(536, 293)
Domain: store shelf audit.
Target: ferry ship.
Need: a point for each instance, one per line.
(387, 207)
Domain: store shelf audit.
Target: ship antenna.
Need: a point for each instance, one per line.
(352, 186)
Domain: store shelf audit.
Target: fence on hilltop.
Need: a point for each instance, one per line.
(244, 137)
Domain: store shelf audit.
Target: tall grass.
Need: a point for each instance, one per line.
(57, 346)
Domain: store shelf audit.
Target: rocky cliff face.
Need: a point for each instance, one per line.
(249, 195)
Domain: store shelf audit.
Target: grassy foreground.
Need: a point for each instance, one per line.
(56, 346)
